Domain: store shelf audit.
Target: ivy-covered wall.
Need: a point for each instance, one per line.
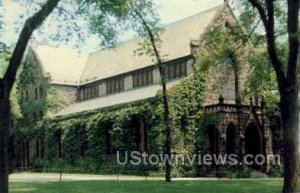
(37, 100)
(89, 140)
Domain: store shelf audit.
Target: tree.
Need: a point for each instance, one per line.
(286, 73)
(151, 31)
(140, 15)
(8, 80)
(9, 77)
(153, 37)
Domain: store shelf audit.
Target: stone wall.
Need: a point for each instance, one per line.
(220, 77)
(71, 92)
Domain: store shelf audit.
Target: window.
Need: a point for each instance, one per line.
(36, 93)
(37, 148)
(175, 70)
(142, 78)
(22, 96)
(26, 95)
(84, 93)
(41, 92)
(91, 91)
(115, 85)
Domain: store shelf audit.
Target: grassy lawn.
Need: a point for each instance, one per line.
(238, 186)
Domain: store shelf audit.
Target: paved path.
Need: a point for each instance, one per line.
(48, 177)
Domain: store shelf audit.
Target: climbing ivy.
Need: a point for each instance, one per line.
(84, 135)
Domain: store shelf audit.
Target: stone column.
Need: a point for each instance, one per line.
(102, 89)
(156, 76)
(128, 84)
(221, 168)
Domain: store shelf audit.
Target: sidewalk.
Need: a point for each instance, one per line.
(46, 177)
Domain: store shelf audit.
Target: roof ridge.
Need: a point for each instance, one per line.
(164, 26)
(196, 14)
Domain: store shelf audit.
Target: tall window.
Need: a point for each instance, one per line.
(36, 93)
(115, 85)
(26, 95)
(142, 78)
(91, 91)
(41, 92)
(175, 70)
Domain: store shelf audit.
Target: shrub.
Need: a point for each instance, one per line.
(276, 171)
(238, 171)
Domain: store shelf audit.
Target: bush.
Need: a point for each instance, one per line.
(238, 171)
(190, 173)
(276, 171)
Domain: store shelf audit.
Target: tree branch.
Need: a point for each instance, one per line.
(267, 16)
(153, 42)
(270, 32)
(30, 25)
(260, 10)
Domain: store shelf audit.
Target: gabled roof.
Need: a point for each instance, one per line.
(176, 40)
(65, 66)
(72, 68)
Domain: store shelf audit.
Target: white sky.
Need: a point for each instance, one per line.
(169, 11)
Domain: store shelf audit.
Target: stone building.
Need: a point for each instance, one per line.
(118, 76)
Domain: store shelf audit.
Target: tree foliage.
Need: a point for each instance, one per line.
(280, 26)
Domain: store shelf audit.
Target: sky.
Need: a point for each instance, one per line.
(169, 10)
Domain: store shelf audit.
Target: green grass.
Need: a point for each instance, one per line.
(236, 186)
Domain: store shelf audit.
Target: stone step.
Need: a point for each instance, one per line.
(258, 174)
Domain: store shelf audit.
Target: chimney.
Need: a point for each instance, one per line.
(194, 47)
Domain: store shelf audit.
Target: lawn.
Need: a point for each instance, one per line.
(221, 186)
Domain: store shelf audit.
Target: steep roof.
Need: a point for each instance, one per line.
(176, 40)
(73, 68)
(65, 66)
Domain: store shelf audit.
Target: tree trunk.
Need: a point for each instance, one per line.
(164, 93)
(6, 84)
(4, 133)
(290, 123)
(287, 83)
(167, 131)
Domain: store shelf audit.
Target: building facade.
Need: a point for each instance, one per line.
(113, 77)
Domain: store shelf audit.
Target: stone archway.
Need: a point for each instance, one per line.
(212, 146)
(139, 131)
(109, 138)
(230, 139)
(213, 139)
(253, 142)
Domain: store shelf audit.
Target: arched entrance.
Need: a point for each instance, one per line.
(213, 139)
(253, 142)
(212, 147)
(230, 139)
